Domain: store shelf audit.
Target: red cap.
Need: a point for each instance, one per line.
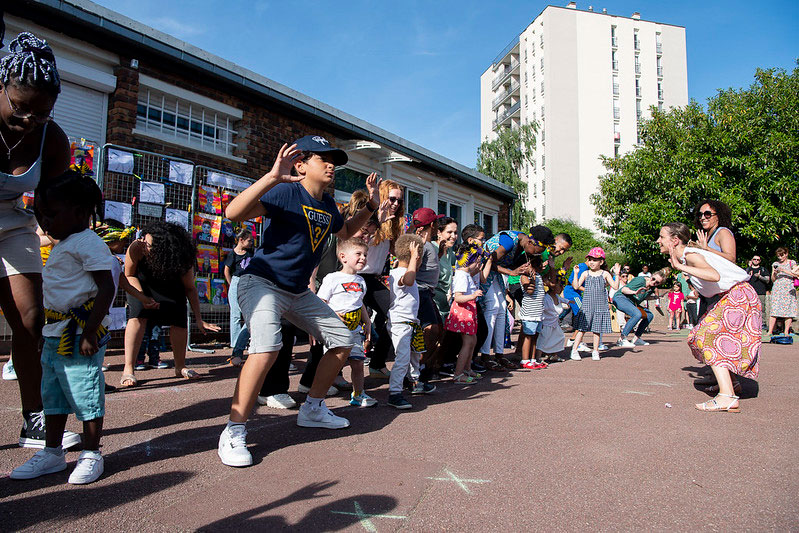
(424, 216)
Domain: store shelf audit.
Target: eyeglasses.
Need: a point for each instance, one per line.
(706, 214)
(755, 260)
(38, 118)
(393, 200)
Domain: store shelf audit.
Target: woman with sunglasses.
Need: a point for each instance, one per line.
(378, 297)
(33, 148)
(713, 220)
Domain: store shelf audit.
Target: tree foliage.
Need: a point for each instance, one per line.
(744, 151)
(503, 159)
(583, 239)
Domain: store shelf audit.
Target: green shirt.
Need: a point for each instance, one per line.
(635, 284)
(686, 290)
(445, 270)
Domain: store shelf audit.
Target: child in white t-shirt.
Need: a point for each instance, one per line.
(343, 291)
(406, 333)
(551, 339)
(78, 289)
(462, 317)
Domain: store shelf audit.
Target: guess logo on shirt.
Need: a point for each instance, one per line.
(352, 287)
(318, 224)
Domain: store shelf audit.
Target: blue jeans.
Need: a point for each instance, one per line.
(236, 319)
(628, 307)
(242, 342)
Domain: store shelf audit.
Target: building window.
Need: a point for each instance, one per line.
(488, 224)
(638, 87)
(347, 181)
(542, 65)
(613, 40)
(616, 85)
(660, 66)
(636, 41)
(413, 200)
(616, 111)
(616, 151)
(637, 65)
(543, 166)
(451, 209)
(188, 122)
(658, 43)
(660, 91)
(542, 88)
(638, 111)
(613, 60)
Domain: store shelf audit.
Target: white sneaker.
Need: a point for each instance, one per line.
(575, 356)
(625, 343)
(602, 348)
(583, 347)
(640, 342)
(332, 391)
(42, 462)
(89, 468)
(233, 446)
(277, 401)
(595, 355)
(320, 418)
(362, 400)
(9, 374)
(569, 343)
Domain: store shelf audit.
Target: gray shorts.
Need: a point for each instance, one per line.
(263, 304)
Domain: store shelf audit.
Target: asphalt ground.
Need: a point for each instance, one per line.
(608, 445)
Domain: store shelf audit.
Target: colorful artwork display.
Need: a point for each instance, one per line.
(227, 197)
(209, 201)
(204, 289)
(251, 226)
(206, 228)
(207, 259)
(82, 156)
(219, 292)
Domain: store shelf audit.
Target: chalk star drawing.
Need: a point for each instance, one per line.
(461, 482)
(365, 518)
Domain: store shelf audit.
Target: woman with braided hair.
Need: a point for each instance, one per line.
(32, 149)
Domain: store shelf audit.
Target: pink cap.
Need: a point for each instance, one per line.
(596, 251)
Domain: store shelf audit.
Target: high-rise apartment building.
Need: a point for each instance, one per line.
(587, 78)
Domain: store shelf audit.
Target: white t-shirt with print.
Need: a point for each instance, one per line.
(404, 299)
(342, 292)
(67, 277)
(552, 311)
(463, 283)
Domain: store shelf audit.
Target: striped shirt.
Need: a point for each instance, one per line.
(533, 304)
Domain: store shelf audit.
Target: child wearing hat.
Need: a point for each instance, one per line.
(298, 218)
(594, 315)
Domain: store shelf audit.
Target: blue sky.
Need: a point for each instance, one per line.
(413, 67)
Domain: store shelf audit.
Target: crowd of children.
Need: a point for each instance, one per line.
(447, 311)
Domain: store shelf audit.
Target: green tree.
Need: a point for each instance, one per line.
(583, 239)
(503, 159)
(744, 151)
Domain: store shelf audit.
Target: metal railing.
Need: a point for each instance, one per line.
(504, 94)
(660, 71)
(510, 111)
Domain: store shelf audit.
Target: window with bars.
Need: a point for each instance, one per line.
(190, 123)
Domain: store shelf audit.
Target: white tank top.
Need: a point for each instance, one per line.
(730, 273)
(376, 257)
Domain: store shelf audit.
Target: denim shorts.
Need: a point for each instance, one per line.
(72, 384)
(357, 352)
(263, 304)
(531, 327)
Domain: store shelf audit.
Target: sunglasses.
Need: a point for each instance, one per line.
(16, 113)
(392, 200)
(706, 214)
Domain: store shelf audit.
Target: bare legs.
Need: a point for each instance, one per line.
(134, 333)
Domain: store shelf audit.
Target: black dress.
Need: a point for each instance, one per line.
(169, 293)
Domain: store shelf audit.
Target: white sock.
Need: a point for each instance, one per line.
(315, 403)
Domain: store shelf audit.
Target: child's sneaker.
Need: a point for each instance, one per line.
(575, 356)
(233, 446)
(277, 401)
(529, 365)
(320, 417)
(140, 365)
(362, 400)
(155, 362)
(583, 347)
(89, 468)
(569, 343)
(398, 401)
(540, 365)
(420, 387)
(595, 355)
(625, 343)
(332, 391)
(33, 433)
(42, 462)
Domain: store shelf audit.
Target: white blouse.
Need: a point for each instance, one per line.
(730, 273)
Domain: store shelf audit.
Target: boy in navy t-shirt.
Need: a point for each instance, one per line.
(299, 216)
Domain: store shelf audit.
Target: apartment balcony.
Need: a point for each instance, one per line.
(510, 48)
(614, 42)
(637, 45)
(502, 118)
(615, 65)
(637, 68)
(638, 92)
(660, 95)
(615, 89)
(659, 48)
(660, 72)
(504, 73)
(505, 94)
(616, 113)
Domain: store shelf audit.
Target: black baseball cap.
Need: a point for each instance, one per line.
(318, 144)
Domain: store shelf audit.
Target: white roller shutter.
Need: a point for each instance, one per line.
(81, 112)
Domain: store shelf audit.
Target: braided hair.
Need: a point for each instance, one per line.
(31, 63)
(75, 189)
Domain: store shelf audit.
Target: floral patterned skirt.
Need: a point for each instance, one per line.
(728, 336)
(462, 318)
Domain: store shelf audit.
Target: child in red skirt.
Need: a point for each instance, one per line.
(462, 316)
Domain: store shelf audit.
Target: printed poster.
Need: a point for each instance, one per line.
(82, 156)
(209, 201)
(180, 172)
(227, 197)
(120, 212)
(119, 161)
(251, 226)
(178, 216)
(223, 253)
(227, 236)
(151, 192)
(203, 289)
(219, 292)
(207, 259)
(206, 228)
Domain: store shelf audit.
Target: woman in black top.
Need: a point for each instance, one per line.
(235, 263)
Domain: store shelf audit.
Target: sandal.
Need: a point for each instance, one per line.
(235, 360)
(128, 380)
(714, 407)
(491, 364)
(507, 363)
(472, 374)
(463, 378)
(187, 373)
(714, 389)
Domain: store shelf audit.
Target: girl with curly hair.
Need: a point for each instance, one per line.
(161, 265)
(378, 298)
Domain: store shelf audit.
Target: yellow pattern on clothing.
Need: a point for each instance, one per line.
(417, 338)
(77, 316)
(352, 319)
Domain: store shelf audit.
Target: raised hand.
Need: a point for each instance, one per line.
(373, 186)
(674, 259)
(616, 269)
(415, 248)
(701, 239)
(383, 212)
(284, 162)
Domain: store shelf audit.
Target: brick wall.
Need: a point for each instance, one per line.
(261, 131)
